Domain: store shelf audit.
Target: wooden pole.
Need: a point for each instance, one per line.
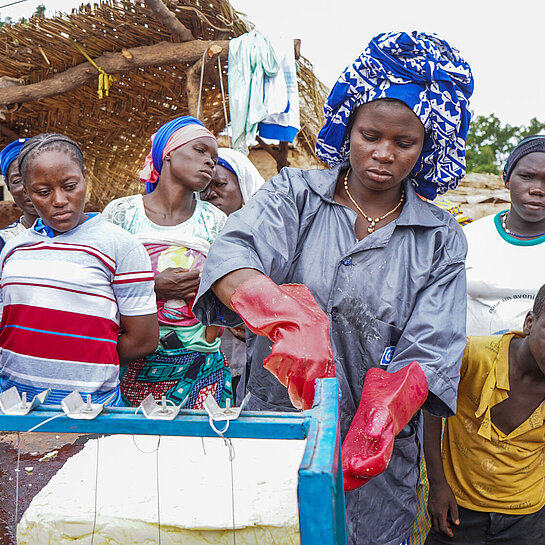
(169, 20)
(280, 156)
(193, 79)
(113, 63)
(7, 132)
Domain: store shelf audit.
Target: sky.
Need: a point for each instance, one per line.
(500, 39)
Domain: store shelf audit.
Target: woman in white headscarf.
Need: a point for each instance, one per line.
(235, 180)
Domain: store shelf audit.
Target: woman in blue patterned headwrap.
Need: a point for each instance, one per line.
(384, 271)
(9, 169)
(431, 78)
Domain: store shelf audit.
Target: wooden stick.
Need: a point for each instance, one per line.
(282, 160)
(113, 63)
(192, 81)
(280, 156)
(169, 20)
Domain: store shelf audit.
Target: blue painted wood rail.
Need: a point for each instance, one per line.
(320, 488)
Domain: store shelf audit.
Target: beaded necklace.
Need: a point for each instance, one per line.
(503, 218)
(372, 221)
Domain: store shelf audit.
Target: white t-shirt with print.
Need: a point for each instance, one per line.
(504, 275)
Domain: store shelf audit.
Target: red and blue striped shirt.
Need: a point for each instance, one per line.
(61, 302)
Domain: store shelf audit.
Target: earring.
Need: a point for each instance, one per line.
(342, 151)
(421, 167)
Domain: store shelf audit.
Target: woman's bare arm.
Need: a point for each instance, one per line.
(139, 337)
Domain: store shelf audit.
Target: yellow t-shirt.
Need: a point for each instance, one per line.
(487, 469)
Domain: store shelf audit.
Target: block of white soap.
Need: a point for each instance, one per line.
(195, 494)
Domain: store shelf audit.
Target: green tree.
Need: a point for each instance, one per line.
(535, 127)
(39, 11)
(489, 142)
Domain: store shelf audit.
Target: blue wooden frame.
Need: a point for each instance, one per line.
(320, 488)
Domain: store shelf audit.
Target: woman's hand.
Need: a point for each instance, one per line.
(177, 283)
(212, 332)
(441, 500)
(388, 402)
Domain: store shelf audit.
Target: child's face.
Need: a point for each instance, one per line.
(56, 186)
(527, 187)
(534, 327)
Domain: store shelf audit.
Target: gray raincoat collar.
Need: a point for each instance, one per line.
(416, 211)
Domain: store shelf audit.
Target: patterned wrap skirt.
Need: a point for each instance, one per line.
(177, 374)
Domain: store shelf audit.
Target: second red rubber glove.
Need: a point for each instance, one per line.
(388, 402)
(290, 317)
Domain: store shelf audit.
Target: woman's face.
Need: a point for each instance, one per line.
(527, 187)
(224, 191)
(17, 190)
(56, 186)
(385, 143)
(192, 165)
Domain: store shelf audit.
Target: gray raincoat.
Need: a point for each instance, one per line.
(396, 296)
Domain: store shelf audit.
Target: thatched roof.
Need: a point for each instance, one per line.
(114, 132)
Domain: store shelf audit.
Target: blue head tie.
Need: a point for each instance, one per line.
(9, 154)
(432, 79)
(223, 163)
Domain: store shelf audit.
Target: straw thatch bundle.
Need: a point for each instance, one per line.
(47, 83)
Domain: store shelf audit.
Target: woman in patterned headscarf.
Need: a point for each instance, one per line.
(177, 230)
(383, 272)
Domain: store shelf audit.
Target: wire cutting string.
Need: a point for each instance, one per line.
(158, 494)
(156, 451)
(96, 494)
(224, 106)
(231, 454)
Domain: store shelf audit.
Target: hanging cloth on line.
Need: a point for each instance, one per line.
(282, 96)
(251, 58)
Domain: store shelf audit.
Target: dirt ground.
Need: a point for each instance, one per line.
(41, 456)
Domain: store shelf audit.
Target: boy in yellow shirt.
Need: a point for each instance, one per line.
(487, 486)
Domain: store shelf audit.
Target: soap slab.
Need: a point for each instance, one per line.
(194, 493)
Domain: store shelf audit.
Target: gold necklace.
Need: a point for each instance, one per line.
(372, 221)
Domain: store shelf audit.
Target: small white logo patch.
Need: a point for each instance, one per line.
(387, 355)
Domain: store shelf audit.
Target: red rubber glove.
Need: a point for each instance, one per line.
(290, 317)
(388, 402)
